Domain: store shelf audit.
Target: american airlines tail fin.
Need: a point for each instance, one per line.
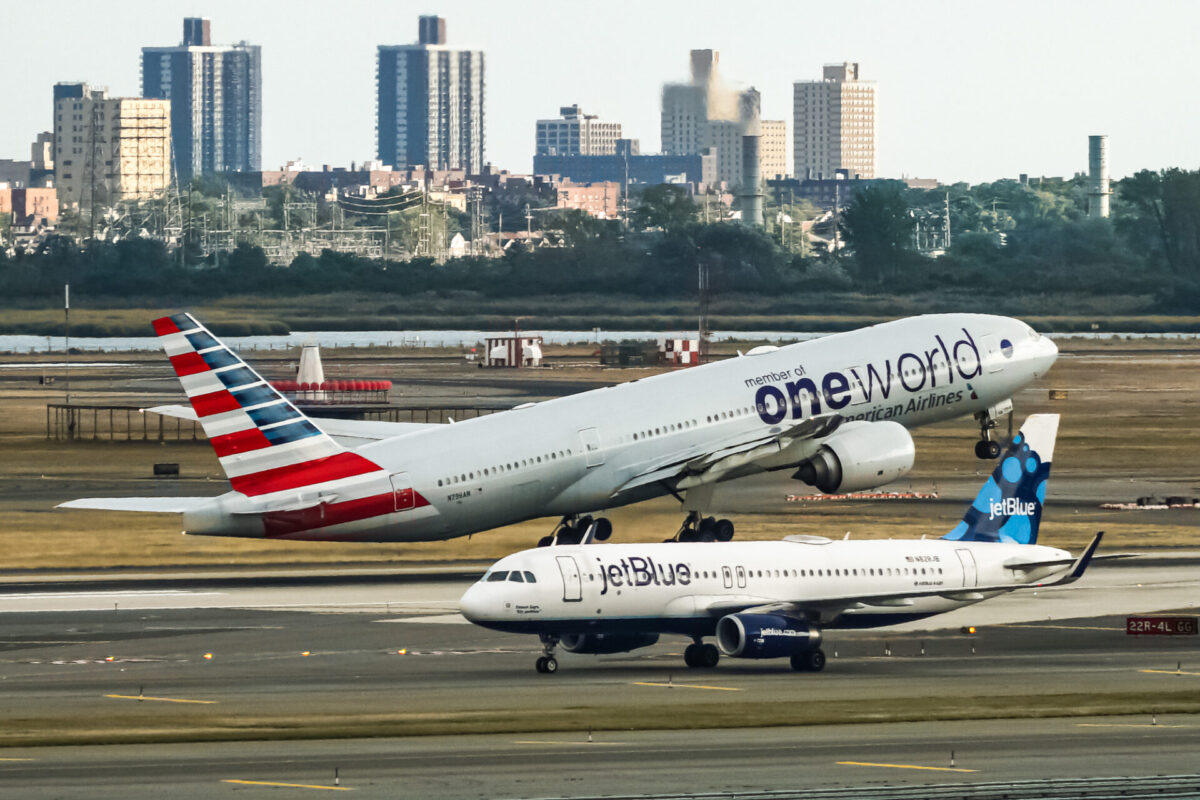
(1009, 506)
(264, 443)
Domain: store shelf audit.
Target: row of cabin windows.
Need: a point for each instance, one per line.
(511, 466)
(688, 424)
(870, 572)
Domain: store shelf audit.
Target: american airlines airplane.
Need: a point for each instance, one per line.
(834, 410)
(772, 599)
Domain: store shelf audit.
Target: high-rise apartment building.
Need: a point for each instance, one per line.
(216, 100)
(109, 148)
(576, 134)
(705, 113)
(430, 102)
(834, 124)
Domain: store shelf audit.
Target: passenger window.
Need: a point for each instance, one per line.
(515, 576)
(530, 579)
(497, 576)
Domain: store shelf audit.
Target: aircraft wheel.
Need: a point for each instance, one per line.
(540, 664)
(992, 450)
(603, 529)
(723, 530)
(981, 450)
(551, 665)
(689, 655)
(709, 655)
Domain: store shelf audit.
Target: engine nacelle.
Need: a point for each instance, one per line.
(603, 643)
(860, 455)
(765, 636)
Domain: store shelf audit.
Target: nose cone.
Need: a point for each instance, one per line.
(473, 604)
(1046, 355)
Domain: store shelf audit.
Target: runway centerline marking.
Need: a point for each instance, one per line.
(160, 699)
(688, 686)
(902, 766)
(18, 759)
(289, 785)
(1167, 672)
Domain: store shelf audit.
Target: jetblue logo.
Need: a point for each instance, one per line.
(1010, 507)
(639, 571)
(802, 396)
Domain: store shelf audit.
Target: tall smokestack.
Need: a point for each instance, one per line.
(1098, 191)
(751, 189)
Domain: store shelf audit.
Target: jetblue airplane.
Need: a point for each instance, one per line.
(772, 599)
(834, 410)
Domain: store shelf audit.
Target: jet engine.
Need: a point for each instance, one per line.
(602, 643)
(860, 455)
(765, 636)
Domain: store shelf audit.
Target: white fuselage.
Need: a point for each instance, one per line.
(575, 454)
(686, 587)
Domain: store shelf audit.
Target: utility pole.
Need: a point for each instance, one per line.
(837, 219)
(948, 219)
(67, 319)
(528, 227)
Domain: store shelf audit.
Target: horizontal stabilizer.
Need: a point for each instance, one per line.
(152, 505)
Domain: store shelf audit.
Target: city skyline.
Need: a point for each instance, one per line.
(965, 93)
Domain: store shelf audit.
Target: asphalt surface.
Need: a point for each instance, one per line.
(389, 644)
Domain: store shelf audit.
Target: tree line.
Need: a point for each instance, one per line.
(1005, 235)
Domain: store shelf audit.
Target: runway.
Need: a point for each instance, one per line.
(385, 655)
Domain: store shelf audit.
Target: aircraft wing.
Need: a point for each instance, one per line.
(347, 432)
(825, 609)
(696, 468)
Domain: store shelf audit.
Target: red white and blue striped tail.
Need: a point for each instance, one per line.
(264, 443)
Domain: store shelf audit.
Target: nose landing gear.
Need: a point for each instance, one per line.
(547, 664)
(987, 448)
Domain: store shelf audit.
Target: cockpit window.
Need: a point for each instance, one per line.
(497, 576)
(529, 577)
(515, 576)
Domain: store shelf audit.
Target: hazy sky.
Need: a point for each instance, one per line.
(967, 90)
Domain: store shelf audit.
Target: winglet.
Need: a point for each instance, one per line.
(1085, 557)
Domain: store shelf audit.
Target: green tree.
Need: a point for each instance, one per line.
(666, 207)
(878, 229)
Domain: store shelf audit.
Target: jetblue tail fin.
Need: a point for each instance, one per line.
(1009, 506)
(264, 443)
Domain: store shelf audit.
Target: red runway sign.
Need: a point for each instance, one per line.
(1161, 626)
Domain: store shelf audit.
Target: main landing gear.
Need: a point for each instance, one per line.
(547, 664)
(809, 660)
(696, 528)
(572, 529)
(698, 655)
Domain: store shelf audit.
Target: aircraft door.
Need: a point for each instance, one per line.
(858, 391)
(590, 439)
(727, 575)
(970, 570)
(741, 576)
(572, 583)
(991, 352)
(402, 493)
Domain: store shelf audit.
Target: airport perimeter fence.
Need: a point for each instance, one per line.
(119, 423)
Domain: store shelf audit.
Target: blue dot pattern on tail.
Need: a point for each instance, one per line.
(1009, 506)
